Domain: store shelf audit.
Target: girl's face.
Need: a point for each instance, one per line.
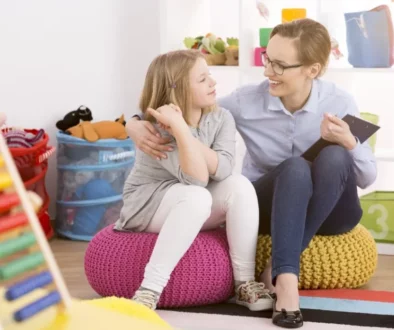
(286, 74)
(202, 85)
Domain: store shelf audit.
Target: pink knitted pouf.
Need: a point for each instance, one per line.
(115, 264)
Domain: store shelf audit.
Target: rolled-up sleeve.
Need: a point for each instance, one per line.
(364, 159)
(224, 146)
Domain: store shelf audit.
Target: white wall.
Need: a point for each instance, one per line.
(57, 55)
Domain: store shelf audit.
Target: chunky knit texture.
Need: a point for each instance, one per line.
(115, 264)
(331, 262)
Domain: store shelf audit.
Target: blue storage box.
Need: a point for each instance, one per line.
(91, 176)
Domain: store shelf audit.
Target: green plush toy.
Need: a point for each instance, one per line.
(209, 44)
(233, 42)
(193, 43)
(213, 45)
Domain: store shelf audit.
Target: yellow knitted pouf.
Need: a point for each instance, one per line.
(330, 262)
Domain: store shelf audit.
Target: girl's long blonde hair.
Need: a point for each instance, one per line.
(167, 81)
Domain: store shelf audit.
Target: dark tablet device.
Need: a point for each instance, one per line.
(360, 128)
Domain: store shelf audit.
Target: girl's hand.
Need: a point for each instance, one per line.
(335, 130)
(166, 128)
(168, 115)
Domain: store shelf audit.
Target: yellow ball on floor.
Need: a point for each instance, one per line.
(331, 262)
(99, 314)
(129, 308)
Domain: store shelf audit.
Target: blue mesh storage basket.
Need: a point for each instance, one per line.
(90, 179)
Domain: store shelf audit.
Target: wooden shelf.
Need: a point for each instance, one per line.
(260, 69)
(224, 68)
(361, 70)
(385, 154)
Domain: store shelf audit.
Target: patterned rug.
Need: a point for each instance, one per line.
(322, 309)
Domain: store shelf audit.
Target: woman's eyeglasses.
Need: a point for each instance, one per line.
(276, 67)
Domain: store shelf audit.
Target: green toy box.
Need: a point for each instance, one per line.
(374, 119)
(378, 215)
(265, 36)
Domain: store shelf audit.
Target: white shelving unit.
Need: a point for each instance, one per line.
(372, 87)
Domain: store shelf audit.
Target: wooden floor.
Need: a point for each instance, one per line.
(70, 255)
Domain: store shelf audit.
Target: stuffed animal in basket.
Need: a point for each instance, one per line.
(105, 129)
(73, 118)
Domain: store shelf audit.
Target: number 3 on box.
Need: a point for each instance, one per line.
(381, 221)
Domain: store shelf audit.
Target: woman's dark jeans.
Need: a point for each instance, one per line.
(299, 199)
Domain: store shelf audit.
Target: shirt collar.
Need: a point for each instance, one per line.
(311, 105)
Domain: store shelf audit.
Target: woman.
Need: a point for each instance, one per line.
(193, 189)
(279, 119)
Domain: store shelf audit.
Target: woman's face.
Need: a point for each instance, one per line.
(286, 74)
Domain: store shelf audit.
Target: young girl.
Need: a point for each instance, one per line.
(193, 189)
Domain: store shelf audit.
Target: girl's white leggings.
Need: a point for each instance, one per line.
(186, 210)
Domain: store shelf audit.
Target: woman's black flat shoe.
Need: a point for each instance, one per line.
(287, 319)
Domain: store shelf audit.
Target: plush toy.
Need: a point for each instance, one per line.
(19, 138)
(232, 52)
(72, 118)
(74, 179)
(335, 49)
(100, 130)
(121, 120)
(263, 9)
(88, 218)
(211, 46)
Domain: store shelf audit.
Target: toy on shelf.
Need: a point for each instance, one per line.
(33, 294)
(215, 50)
(263, 9)
(73, 118)
(291, 14)
(335, 49)
(232, 52)
(265, 34)
(211, 46)
(258, 56)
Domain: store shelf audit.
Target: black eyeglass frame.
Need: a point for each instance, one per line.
(284, 67)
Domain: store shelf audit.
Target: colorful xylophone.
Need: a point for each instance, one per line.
(33, 294)
(23, 246)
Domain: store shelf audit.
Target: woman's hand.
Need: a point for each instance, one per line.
(168, 116)
(335, 130)
(147, 138)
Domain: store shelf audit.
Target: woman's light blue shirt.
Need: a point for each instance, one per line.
(272, 134)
